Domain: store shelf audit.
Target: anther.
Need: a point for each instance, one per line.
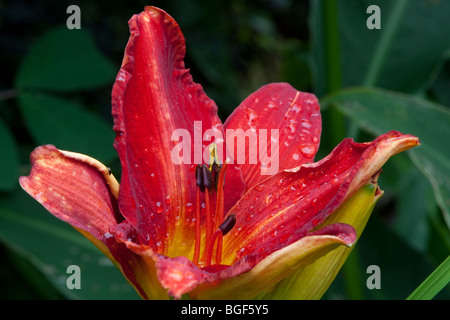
(203, 177)
(228, 224)
(215, 170)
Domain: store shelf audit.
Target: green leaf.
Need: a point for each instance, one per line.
(52, 246)
(401, 267)
(65, 60)
(400, 56)
(67, 125)
(9, 162)
(434, 283)
(379, 111)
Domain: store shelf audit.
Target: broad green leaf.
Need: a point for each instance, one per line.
(52, 246)
(401, 267)
(9, 162)
(434, 283)
(67, 125)
(400, 56)
(379, 111)
(440, 89)
(65, 60)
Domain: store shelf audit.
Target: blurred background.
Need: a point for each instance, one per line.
(55, 89)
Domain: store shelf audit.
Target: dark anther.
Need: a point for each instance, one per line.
(109, 170)
(215, 169)
(203, 177)
(228, 224)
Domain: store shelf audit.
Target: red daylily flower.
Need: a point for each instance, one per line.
(176, 229)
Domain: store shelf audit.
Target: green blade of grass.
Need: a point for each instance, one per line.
(435, 282)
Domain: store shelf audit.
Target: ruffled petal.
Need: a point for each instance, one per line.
(275, 117)
(248, 278)
(311, 281)
(75, 188)
(156, 108)
(81, 191)
(285, 207)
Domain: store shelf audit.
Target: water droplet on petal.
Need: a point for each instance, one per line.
(308, 150)
(268, 198)
(259, 187)
(280, 182)
(307, 124)
(159, 208)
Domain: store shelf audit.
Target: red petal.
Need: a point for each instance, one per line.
(294, 114)
(287, 206)
(181, 276)
(74, 191)
(154, 95)
(80, 191)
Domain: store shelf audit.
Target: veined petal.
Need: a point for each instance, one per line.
(285, 207)
(155, 105)
(75, 188)
(311, 281)
(81, 191)
(247, 277)
(274, 267)
(286, 120)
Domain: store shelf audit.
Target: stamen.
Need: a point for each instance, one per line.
(209, 226)
(223, 229)
(228, 224)
(220, 196)
(210, 248)
(207, 178)
(197, 227)
(219, 249)
(203, 177)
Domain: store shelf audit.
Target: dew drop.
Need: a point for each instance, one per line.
(280, 182)
(252, 117)
(189, 207)
(307, 124)
(159, 208)
(295, 156)
(308, 150)
(268, 199)
(259, 187)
